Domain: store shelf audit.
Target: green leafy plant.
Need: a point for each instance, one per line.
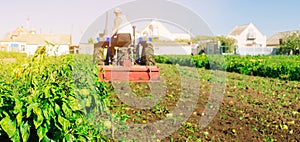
(51, 99)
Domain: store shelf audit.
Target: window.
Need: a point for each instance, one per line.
(22, 47)
(280, 41)
(14, 45)
(251, 34)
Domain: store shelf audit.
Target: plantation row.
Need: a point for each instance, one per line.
(283, 67)
(12, 55)
(50, 98)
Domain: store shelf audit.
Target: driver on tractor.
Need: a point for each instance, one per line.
(120, 36)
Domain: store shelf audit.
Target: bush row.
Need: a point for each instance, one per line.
(283, 67)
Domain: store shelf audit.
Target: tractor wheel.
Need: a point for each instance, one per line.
(149, 55)
(98, 56)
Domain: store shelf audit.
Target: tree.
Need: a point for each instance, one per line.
(202, 42)
(226, 41)
(91, 41)
(289, 42)
(202, 38)
(227, 44)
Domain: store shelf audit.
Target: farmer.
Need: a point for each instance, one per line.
(121, 25)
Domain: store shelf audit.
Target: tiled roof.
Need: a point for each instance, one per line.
(274, 39)
(238, 30)
(40, 39)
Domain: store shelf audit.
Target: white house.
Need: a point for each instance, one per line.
(248, 36)
(156, 29)
(28, 42)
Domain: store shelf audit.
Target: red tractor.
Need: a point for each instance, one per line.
(125, 60)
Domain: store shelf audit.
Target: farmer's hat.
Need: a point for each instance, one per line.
(117, 10)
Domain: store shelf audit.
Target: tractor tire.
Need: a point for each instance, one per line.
(98, 56)
(148, 56)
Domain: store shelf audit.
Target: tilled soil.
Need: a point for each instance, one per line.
(252, 109)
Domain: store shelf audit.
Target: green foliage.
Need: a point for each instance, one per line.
(290, 42)
(201, 38)
(228, 49)
(283, 67)
(51, 99)
(226, 41)
(91, 41)
(183, 40)
(4, 54)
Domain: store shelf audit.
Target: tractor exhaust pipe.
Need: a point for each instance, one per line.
(133, 27)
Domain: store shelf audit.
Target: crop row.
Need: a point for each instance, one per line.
(12, 55)
(50, 99)
(283, 67)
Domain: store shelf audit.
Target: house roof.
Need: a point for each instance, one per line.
(274, 39)
(156, 28)
(30, 38)
(57, 38)
(238, 30)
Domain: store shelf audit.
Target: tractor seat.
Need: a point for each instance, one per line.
(122, 40)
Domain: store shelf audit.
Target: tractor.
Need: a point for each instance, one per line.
(126, 59)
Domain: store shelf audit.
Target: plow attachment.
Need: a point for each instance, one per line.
(131, 73)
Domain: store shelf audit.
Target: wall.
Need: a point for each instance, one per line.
(256, 51)
(62, 50)
(172, 50)
(51, 51)
(85, 48)
(30, 49)
(13, 46)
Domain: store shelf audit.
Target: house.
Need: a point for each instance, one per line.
(248, 36)
(8, 43)
(28, 42)
(276, 39)
(156, 29)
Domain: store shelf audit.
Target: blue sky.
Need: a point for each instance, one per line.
(70, 16)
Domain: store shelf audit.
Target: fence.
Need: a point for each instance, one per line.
(172, 49)
(256, 50)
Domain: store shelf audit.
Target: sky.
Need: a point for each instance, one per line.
(76, 16)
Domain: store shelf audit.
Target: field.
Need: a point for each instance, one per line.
(60, 98)
(253, 109)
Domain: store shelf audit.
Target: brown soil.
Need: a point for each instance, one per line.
(251, 109)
